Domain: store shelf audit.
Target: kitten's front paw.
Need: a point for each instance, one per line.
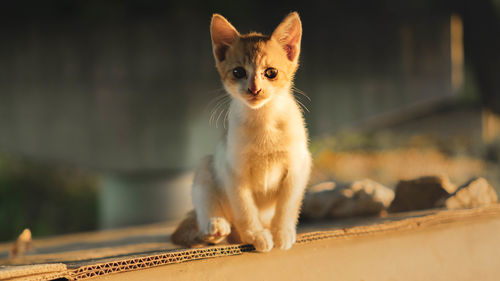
(285, 237)
(216, 230)
(263, 241)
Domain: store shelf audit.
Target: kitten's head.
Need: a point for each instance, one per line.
(255, 67)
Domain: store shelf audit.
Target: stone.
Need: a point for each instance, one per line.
(22, 244)
(421, 193)
(361, 198)
(476, 193)
(318, 200)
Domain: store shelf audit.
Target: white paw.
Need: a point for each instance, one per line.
(216, 230)
(285, 237)
(263, 241)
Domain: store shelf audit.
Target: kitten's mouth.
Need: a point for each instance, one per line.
(255, 101)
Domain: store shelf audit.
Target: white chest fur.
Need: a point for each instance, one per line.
(260, 144)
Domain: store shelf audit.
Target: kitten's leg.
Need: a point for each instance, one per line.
(246, 218)
(208, 203)
(284, 223)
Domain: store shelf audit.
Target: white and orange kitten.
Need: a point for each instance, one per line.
(251, 189)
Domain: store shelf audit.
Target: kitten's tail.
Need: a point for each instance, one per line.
(187, 233)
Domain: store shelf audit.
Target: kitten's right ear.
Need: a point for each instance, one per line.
(223, 36)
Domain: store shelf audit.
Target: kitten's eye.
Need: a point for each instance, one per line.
(271, 73)
(239, 72)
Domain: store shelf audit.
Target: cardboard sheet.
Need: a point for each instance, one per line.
(87, 255)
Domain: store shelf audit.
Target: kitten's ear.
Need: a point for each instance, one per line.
(223, 36)
(288, 34)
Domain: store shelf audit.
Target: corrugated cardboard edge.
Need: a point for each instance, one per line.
(34, 272)
(143, 262)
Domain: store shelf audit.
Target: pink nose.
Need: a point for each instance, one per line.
(254, 91)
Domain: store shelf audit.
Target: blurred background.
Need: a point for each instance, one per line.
(105, 105)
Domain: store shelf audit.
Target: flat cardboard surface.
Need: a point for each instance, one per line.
(438, 253)
(455, 241)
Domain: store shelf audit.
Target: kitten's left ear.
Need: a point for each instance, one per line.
(288, 34)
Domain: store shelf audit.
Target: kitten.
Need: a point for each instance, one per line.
(251, 189)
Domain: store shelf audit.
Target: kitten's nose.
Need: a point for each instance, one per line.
(254, 91)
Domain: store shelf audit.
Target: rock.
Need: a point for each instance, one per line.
(318, 200)
(365, 197)
(362, 198)
(421, 193)
(327, 185)
(22, 244)
(476, 193)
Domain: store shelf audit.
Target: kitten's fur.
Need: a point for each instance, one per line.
(252, 187)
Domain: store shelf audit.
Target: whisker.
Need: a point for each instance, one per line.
(210, 121)
(302, 101)
(299, 91)
(219, 108)
(300, 97)
(214, 111)
(217, 122)
(216, 99)
(303, 106)
(216, 108)
(225, 117)
(302, 94)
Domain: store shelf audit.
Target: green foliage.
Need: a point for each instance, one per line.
(350, 141)
(46, 199)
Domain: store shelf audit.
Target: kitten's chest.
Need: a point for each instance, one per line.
(263, 137)
(260, 147)
(261, 158)
(264, 172)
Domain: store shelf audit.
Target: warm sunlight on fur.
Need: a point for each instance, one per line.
(251, 189)
(256, 56)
